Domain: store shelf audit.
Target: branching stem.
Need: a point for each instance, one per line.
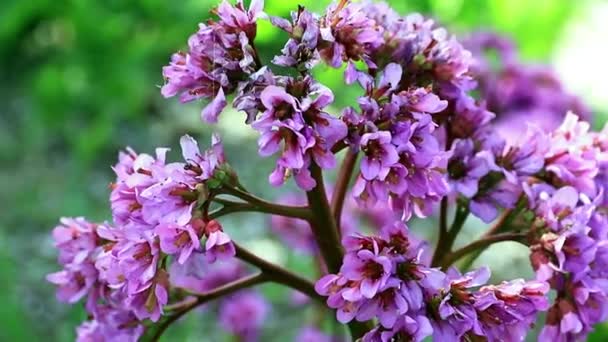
(344, 176)
(480, 244)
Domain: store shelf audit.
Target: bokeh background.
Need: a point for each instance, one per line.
(80, 80)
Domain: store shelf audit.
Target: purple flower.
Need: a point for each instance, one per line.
(294, 120)
(456, 314)
(519, 93)
(170, 201)
(301, 49)
(388, 304)
(471, 118)
(78, 243)
(574, 251)
(527, 158)
(248, 94)
(560, 209)
(428, 53)
(563, 323)
(138, 261)
(108, 324)
(506, 311)
(369, 268)
(74, 282)
(466, 167)
(380, 154)
(486, 204)
(180, 240)
(572, 158)
(348, 34)
(148, 302)
(202, 165)
(76, 239)
(280, 107)
(134, 174)
(415, 329)
(400, 241)
(243, 315)
(218, 244)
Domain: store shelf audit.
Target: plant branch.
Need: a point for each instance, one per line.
(503, 222)
(443, 230)
(480, 244)
(208, 296)
(257, 204)
(278, 274)
(269, 272)
(323, 224)
(462, 212)
(326, 234)
(445, 246)
(341, 187)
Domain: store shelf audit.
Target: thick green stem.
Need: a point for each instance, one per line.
(462, 212)
(480, 244)
(326, 234)
(444, 246)
(443, 230)
(341, 187)
(257, 204)
(323, 224)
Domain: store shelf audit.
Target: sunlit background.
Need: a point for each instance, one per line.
(80, 80)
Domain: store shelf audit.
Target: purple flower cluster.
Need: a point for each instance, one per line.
(570, 230)
(519, 93)
(387, 277)
(428, 127)
(243, 314)
(568, 252)
(402, 160)
(295, 123)
(489, 171)
(220, 55)
(120, 268)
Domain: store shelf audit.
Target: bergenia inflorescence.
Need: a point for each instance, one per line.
(430, 129)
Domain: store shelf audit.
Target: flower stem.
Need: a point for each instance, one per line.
(258, 204)
(500, 225)
(326, 234)
(462, 212)
(323, 224)
(480, 244)
(278, 274)
(344, 176)
(208, 296)
(443, 230)
(445, 245)
(269, 272)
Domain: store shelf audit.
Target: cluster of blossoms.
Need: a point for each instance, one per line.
(569, 233)
(120, 268)
(519, 93)
(428, 128)
(388, 277)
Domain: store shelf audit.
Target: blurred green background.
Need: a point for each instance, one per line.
(80, 80)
